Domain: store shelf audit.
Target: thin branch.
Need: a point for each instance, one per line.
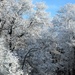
(31, 50)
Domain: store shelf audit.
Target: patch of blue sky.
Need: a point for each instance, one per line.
(54, 5)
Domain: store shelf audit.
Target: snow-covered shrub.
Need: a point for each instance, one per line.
(9, 64)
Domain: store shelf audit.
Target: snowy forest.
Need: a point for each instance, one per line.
(32, 42)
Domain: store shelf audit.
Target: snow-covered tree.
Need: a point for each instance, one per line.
(64, 28)
(39, 19)
(22, 34)
(12, 24)
(65, 17)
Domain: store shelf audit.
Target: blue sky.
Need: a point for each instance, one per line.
(54, 5)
